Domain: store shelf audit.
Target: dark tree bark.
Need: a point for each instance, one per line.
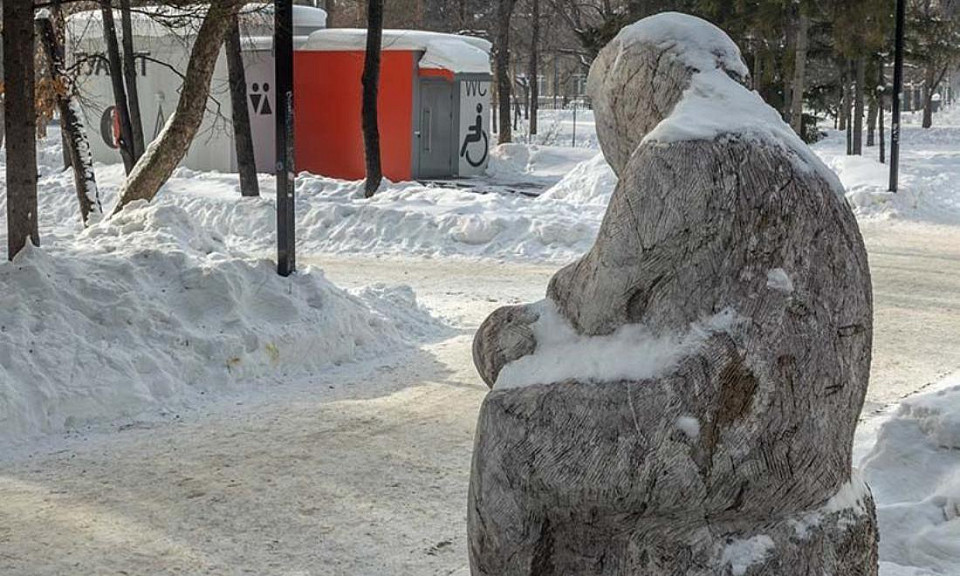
(169, 148)
(842, 108)
(534, 71)
(20, 122)
(330, 8)
(76, 146)
(242, 136)
(502, 62)
(371, 84)
(858, 99)
(119, 93)
(881, 96)
(848, 105)
(931, 80)
(872, 121)
(130, 79)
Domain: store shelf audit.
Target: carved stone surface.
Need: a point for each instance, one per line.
(730, 462)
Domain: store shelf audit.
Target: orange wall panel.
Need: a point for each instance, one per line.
(327, 103)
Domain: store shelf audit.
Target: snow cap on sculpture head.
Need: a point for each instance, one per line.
(639, 77)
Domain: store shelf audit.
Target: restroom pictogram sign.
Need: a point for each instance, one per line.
(260, 98)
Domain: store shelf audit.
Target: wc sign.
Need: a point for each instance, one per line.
(474, 143)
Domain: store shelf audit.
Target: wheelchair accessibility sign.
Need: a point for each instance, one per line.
(474, 126)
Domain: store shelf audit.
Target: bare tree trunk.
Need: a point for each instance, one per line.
(20, 121)
(842, 108)
(872, 122)
(799, 76)
(858, 97)
(880, 126)
(330, 7)
(371, 84)
(119, 93)
(242, 136)
(848, 106)
(534, 72)
(169, 148)
(130, 79)
(757, 70)
(929, 81)
(502, 62)
(77, 148)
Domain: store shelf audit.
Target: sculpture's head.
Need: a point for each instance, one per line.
(639, 77)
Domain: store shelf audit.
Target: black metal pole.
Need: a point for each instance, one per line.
(283, 54)
(897, 91)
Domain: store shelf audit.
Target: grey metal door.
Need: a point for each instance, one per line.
(436, 129)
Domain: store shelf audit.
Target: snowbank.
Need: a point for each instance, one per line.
(929, 170)
(150, 309)
(590, 183)
(914, 472)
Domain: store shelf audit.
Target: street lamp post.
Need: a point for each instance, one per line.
(897, 92)
(283, 55)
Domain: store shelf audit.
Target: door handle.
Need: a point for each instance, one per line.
(429, 114)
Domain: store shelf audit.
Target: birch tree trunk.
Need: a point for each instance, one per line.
(799, 75)
(20, 122)
(74, 132)
(130, 79)
(169, 148)
(371, 89)
(242, 136)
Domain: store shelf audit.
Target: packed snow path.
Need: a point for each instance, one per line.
(365, 471)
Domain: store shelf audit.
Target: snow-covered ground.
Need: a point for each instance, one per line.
(201, 415)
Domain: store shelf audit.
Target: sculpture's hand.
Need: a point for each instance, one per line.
(504, 336)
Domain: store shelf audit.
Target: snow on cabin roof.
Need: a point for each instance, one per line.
(256, 19)
(459, 54)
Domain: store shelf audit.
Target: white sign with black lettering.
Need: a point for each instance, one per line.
(474, 143)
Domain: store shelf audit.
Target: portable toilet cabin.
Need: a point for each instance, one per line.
(163, 38)
(434, 104)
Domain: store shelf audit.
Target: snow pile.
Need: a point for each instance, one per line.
(590, 183)
(914, 472)
(630, 353)
(929, 170)
(149, 309)
(534, 163)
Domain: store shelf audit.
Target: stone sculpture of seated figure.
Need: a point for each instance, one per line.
(684, 400)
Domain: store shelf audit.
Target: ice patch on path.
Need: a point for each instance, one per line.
(914, 472)
(148, 310)
(630, 353)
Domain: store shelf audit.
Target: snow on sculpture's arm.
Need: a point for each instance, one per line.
(685, 399)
